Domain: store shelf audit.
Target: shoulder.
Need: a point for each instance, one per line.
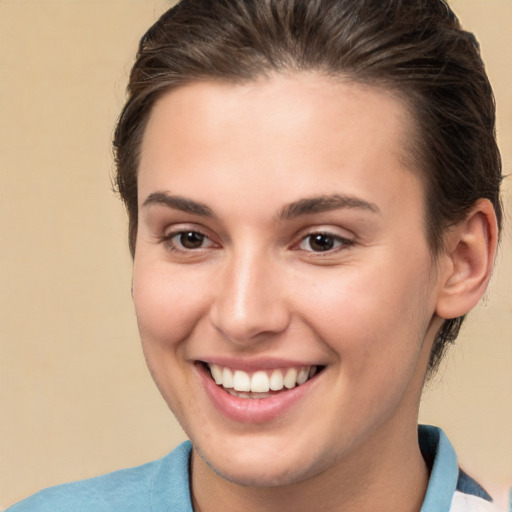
(129, 490)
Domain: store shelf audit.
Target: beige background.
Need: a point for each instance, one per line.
(75, 397)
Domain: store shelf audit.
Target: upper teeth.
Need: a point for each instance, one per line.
(261, 381)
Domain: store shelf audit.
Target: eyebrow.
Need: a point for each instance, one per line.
(306, 206)
(178, 203)
(312, 205)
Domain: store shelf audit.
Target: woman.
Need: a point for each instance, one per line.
(313, 200)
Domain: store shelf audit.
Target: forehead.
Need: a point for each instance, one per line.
(307, 129)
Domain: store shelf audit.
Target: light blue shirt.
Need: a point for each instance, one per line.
(164, 486)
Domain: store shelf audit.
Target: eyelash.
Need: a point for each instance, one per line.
(339, 242)
(169, 243)
(336, 242)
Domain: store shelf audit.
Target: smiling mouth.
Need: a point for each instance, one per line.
(261, 383)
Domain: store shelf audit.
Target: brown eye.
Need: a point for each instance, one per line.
(187, 241)
(320, 242)
(323, 242)
(190, 239)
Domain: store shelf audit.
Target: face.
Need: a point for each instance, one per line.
(283, 284)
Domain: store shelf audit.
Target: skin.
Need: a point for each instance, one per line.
(256, 290)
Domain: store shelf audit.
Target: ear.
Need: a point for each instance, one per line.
(467, 261)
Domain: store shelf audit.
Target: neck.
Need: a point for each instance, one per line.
(387, 473)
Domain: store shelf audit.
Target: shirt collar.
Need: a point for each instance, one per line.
(438, 451)
(435, 448)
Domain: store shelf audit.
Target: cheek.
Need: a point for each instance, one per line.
(373, 315)
(167, 304)
(375, 325)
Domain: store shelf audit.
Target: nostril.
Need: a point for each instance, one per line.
(242, 327)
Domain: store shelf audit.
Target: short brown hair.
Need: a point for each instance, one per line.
(415, 48)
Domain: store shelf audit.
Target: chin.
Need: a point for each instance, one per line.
(257, 469)
(265, 476)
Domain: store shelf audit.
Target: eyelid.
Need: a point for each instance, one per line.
(345, 241)
(175, 230)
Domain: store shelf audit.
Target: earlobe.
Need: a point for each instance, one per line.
(468, 261)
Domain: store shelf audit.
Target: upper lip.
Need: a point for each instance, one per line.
(254, 364)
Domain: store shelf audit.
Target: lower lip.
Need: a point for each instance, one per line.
(252, 410)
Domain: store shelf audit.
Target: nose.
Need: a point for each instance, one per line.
(250, 304)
